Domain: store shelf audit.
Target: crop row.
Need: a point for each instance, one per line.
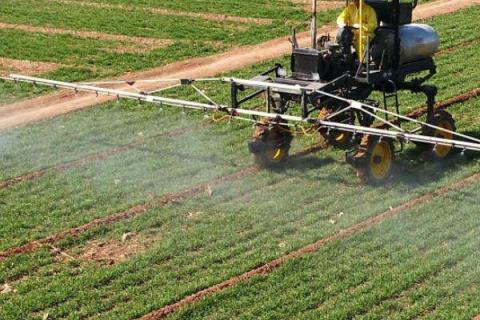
(421, 264)
(82, 58)
(239, 226)
(117, 123)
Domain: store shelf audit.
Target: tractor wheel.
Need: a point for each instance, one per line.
(272, 157)
(443, 120)
(376, 160)
(339, 139)
(336, 138)
(271, 144)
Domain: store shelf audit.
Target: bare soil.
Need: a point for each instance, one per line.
(321, 5)
(108, 153)
(127, 214)
(63, 102)
(140, 209)
(440, 106)
(113, 251)
(162, 200)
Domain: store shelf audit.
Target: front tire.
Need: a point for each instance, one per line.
(271, 144)
(376, 161)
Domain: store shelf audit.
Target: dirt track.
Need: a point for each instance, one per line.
(63, 102)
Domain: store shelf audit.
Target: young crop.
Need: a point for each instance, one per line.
(399, 268)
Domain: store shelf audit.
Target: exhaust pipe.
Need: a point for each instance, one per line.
(313, 31)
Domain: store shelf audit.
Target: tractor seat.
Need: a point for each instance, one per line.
(384, 10)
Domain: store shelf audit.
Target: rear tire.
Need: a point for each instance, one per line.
(443, 120)
(340, 139)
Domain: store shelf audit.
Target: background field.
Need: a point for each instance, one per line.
(101, 39)
(421, 262)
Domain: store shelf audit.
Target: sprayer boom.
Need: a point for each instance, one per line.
(278, 124)
(397, 133)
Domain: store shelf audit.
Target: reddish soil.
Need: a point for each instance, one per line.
(163, 200)
(63, 102)
(436, 8)
(26, 67)
(108, 153)
(447, 103)
(130, 213)
(26, 177)
(440, 106)
(461, 45)
(133, 43)
(113, 251)
(345, 233)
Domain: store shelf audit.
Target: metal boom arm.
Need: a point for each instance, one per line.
(237, 112)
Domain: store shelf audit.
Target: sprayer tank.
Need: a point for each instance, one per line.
(417, 41)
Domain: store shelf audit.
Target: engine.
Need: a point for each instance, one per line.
(320, 65)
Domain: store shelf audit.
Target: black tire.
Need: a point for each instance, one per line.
(272, 158)
(376, 161)
(271, 144)
(339, 139)
(444, 120)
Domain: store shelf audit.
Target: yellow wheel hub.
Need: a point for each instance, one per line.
(342, 137)
(443, 151)
(275, 155)
(380, 161)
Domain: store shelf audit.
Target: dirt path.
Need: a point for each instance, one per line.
(63, 102)
(342, 234)
(321, 5)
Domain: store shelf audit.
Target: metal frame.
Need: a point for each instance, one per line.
(395, 132)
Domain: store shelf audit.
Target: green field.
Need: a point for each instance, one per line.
(83, 58)
(421, 263)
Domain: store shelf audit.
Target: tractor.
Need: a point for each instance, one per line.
(400, 57)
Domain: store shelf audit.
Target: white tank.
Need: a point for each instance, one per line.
(417, 41)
